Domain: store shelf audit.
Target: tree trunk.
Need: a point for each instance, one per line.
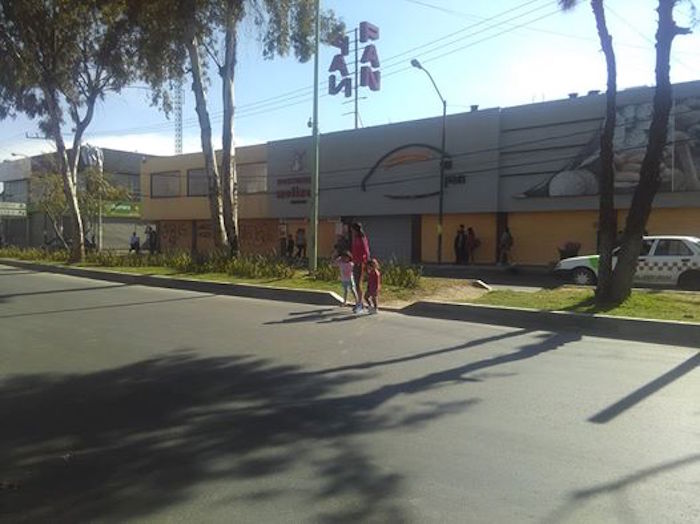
(69, 177)
(607, 218)
(649, 179)
(230, 178)
(215, 197)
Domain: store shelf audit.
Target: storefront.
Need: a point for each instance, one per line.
(531, 168)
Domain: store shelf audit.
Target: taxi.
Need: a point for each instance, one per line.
(664, 260)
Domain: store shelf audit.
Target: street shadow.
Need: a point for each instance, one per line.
(589, 306)
(108, 306)
(617, 488)
(11, 273)
(69, 290)
(127, 442)
(308, 316)
(646, 391)
(419, 356)
(548, 342)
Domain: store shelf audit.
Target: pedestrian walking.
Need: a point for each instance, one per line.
(151, 240)
(134, 243)
(344, 262)
(374, 285)
(301, 243)
(505, 245)
(360, 256)
(460, 245)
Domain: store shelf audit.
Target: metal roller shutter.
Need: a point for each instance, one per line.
(389, 236)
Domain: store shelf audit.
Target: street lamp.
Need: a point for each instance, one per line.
(415, 63)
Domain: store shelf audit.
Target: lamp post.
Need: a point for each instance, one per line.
(415, 63)
(313, 251)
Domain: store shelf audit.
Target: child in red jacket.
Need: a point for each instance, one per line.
(374, 285)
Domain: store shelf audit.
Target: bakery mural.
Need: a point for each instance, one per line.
(680, 168)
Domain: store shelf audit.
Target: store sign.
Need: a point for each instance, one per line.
(370, 76)
(122, 209)
(13, 209)
(295, 190)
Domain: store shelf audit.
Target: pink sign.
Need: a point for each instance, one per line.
(370, 76)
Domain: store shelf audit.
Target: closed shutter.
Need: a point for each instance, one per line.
(389, 237)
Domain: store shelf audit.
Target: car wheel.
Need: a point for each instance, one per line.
(583, 276)
(690, 280)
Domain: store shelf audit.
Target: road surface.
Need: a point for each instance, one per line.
(124, 403)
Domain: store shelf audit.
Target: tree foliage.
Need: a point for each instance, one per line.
(57, 59)
(173, 38)
(95, 191)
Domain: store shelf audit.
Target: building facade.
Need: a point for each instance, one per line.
(531, 168)
(19, 184)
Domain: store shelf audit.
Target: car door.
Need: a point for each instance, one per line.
(671, 257)
(645, 273)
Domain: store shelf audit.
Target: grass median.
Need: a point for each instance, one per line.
(649, 304)
(393, 296)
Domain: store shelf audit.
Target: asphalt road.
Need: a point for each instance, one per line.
(124, 403)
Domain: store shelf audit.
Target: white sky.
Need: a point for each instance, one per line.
(525, 51)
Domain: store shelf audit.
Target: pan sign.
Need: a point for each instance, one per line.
(13, 209)
(370, 76)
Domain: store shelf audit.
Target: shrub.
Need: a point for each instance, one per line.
(35, 254)
(401, 275)
(258, 266)
(326, 271)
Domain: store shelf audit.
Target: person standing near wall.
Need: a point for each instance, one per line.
(301, 243)
(472, 244)
(505, 244)
(460, 246)
(360, 256)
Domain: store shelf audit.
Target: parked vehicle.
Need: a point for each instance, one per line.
(664, 260)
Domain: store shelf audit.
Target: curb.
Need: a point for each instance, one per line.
(280, 294)
(640, 330)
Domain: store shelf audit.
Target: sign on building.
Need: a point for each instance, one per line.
(340, 79)
(13, 209)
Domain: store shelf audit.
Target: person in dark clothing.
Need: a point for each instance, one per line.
(472, 244)
(290, 246)
(460, 246)
(301, 243)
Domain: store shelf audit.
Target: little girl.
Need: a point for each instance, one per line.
(374, 284)
(345, 264)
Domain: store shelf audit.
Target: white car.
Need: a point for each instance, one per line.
(664, 260)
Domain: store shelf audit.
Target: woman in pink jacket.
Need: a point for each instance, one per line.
(360, 256)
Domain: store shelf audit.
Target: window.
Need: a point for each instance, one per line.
(165, 185)
(646, 247)
(252, 178)
(16, 191)
(197, 183)
(672, 248)
(132, 183)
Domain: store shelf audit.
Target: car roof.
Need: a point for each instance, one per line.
(672, 237)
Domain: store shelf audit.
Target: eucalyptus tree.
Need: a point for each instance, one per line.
(650, 172)
(607, 216)
(179, 36)
(58, 58)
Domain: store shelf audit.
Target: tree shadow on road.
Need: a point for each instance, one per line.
(127, 442)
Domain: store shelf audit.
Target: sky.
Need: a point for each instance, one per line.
(494, 53)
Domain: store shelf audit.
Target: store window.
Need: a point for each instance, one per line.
(164, 185)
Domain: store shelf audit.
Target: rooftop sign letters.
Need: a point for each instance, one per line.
(370, 76)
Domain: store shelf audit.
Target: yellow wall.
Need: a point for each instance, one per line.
(484, 225)
(194, 208)
(668, 221)
(536, 236)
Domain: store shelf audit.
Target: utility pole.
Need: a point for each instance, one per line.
(313, 219)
